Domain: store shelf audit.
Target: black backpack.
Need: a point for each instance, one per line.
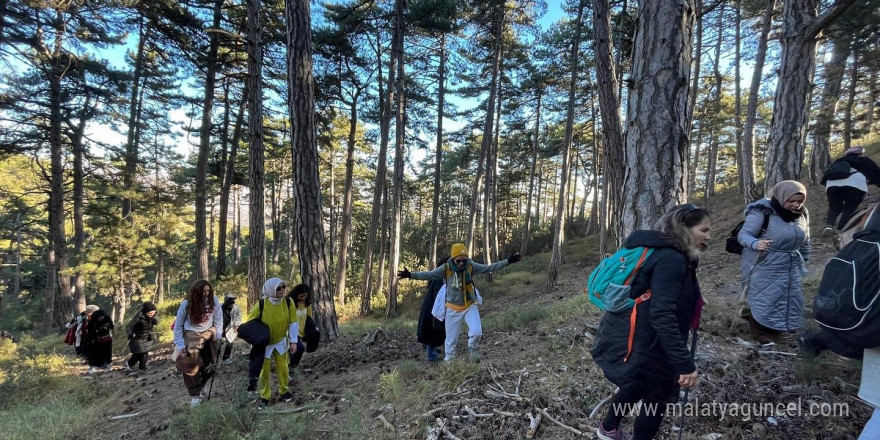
(847, 304)
(732, 245)
(839, 169)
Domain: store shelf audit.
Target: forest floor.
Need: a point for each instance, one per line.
(374, 383)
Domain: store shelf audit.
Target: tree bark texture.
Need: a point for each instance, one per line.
(848, 122)
(797, 64)
(750, 190)
(825, 116)
(131, 143)
(657, 138)
(226, 187)
(609, 106)
(257, 173)
(438, 153)
(524, 244)
(307, 184)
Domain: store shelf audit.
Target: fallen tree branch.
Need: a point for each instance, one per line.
(388, 425)
(504, 413)
(124, 416)
(445, 431)
(557, 422)
(599, 405)
(474, 414)
(492, 394)
(776, 352)
(534, 422)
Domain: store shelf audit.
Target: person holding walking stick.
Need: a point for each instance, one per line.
(645, 351)
(197, 327)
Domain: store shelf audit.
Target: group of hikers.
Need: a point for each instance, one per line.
(642, 346)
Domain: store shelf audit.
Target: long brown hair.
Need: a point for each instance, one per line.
(195, 307)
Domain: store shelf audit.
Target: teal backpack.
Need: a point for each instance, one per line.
(609, 285)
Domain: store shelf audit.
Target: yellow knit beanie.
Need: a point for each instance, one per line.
(458, 249)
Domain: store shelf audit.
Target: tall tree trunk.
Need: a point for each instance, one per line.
(712, 157)
(488, 123)
(609, 105)
(750, 191)
(738, 93)
(656, 142)
(348, 196)
(556, 257)
(274, 215)
(132, 141)
(825, 116)
(438, 155)
(379, 183)
(256, 174)
(236, 236)
(524, 244)
(800, 26)
(226, 187)
(399, 153)
(872, 99)
(79, 235)
(693, 159)
(202, 270)
(850, 102)
(307, 183)
(160, 278)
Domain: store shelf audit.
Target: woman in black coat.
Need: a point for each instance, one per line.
(100, 340)
(140, 336)
(657, 363)
(431, 335)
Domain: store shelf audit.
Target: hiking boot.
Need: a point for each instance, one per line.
(196, 401)
(474, 355)
(287, 397)
(827, 231)
(263, 403)
(614, 434)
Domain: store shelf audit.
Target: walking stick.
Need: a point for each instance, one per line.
(687, 390)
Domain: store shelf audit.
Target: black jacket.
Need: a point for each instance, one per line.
(140, 333)
(863, 165)
(659, 350)
(431, 331)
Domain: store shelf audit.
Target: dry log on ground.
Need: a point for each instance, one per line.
(557, 422)
(534, 422)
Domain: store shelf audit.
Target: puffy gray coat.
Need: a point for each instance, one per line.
(774, 277)
(140, 333)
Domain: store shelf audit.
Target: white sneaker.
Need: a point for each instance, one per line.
(196, 401)
(127, 367)
(91, 371)
(827, 231)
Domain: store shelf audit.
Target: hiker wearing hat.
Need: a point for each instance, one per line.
(231, 321)
(846, 183)
(461, 297)
(140, 336)
(100, 341)
(774, 259)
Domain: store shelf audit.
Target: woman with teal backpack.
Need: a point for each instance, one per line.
(651, 361)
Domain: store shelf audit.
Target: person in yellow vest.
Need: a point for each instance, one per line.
(461, 298)
(279, 313)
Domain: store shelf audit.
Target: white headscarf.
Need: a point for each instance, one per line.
(269, 289)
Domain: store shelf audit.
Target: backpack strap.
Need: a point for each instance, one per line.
(261, 310)
(632, 322)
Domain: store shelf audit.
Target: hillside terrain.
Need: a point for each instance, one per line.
(536, 373)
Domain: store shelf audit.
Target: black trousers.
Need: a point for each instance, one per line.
(138, 358)
(842, 201)
(649, 418)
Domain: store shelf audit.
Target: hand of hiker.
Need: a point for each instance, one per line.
(514, 257)
(687, 380)
(403, 273)
(292, 349)
(763, 245)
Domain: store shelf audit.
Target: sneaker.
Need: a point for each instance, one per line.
(287, 397)
(263, 403)
(827, 231)
(91, 370)
(204, 393)
(127, 367)
(614, 434)
(196, 401)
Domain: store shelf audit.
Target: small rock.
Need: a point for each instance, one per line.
(759, 430)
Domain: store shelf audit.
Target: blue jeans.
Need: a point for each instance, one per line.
(431, 353)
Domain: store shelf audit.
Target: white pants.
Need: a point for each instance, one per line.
(471, 317)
